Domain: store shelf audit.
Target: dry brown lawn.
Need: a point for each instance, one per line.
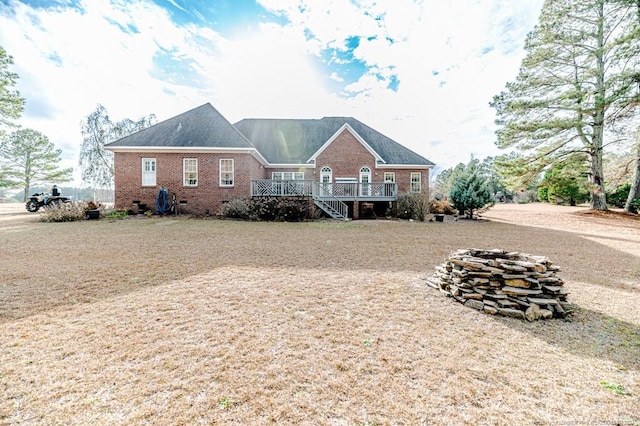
(193, 321)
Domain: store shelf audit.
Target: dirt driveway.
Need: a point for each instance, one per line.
(14, 216)
(613, 228)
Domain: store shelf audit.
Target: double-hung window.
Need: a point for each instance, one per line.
(287, 188)
(190, 171)
(287, 175)
(226, 172)
(416, 182)
(148, 172)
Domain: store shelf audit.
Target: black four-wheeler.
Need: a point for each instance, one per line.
(40, 200)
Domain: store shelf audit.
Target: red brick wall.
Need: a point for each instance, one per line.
(346, 156)
(207, 195)
(403, 179)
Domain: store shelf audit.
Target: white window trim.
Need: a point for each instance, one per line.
(365, 172)
(365, 187)
(418, 182)
(150, 175)
(326, 171)
(280, 175)
(232, 173)
(392, 175)
(184, 172)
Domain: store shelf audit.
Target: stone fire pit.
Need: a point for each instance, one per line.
(505, 283)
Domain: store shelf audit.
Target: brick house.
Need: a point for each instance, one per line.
(342, 166)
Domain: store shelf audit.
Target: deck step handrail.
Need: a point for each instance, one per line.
(332, 205)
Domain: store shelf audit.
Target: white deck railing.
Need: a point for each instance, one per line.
(281, 188)
(374, 191)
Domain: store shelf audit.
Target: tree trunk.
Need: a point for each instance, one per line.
(596, 182)
(27, 179)
(634, 191)
(27, 189)
(596, 177)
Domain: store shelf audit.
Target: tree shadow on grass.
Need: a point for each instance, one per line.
(94, 261)
(587, 333)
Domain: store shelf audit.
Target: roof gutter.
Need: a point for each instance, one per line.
(190, 150)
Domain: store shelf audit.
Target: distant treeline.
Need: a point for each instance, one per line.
(76, 194)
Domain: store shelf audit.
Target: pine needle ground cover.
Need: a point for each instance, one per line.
(191, 321)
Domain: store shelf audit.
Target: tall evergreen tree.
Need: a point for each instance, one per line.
(11, 103)
(27, 158)
(578, 74)
(444, 180)
(98, 130)
(634, 190)
(487, 169)
(564, 183)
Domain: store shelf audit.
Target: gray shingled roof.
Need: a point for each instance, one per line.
(203, 126)
(283, 141)
(279, 141)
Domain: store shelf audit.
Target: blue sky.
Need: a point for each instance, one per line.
(419, 71)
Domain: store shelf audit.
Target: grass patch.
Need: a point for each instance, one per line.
(225, 403)
(617, 389)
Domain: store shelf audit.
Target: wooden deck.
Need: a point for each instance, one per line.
(374, 191)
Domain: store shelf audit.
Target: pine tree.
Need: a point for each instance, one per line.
(11, 103)
(27, 158)
(634, 189)
(578, 75)
(564, 183)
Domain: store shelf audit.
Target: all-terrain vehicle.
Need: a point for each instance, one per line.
(41, 199)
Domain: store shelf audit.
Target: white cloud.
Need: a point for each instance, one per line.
(131, 57)
(473, 49)
(96, 62)
(334, 76)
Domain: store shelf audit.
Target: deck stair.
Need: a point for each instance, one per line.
(329, 203)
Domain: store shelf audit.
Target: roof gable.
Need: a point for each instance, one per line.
(391, 152)
(346, 127)
(201, 127)
(298, 141)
